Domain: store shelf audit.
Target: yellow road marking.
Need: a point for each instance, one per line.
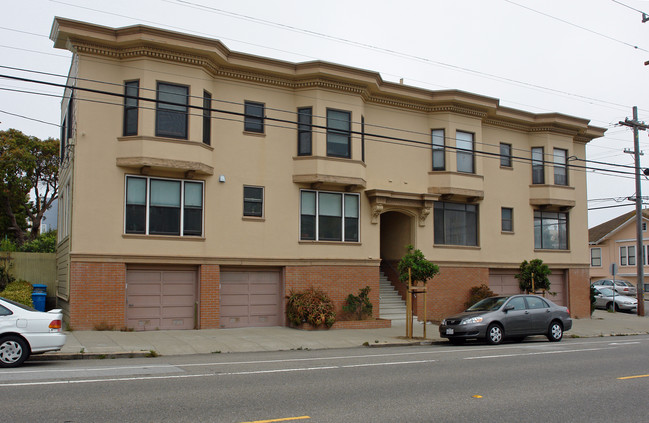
(280, 420)
(477, 396)
(632, 377)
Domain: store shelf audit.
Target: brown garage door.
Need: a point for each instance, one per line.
(160, 299)
(558, 285)
(503, 282)
(250, 299)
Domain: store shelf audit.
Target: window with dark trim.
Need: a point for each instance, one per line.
(363, 139)
(464, 151)
(455, 223)
(329, 216)
(207, 118)
(338, 133)
(550, 230)
(560, 166)
(156, 206)
(131, 94)
(631, 250)
(253, 120)
(304, 131)
(538, 168)
(253, 201)
(507, 219)
(505, 155)
(622, 256)
(171, 110)
(439, 149)
(596, 257)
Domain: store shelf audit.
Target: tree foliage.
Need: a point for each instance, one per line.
(421, 269)
(540, 271)
(29, 172)
(359, 305)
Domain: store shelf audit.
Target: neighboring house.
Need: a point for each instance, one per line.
(209, 184)
(614, 241)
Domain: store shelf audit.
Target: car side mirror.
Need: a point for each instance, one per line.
(506, 309)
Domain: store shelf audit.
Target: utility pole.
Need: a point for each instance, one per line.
(637, 126)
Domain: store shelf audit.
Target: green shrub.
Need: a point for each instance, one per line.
(5, 277)
(310, 306)
(8, 245)
(44, 243)
(421, 270)
(478, 293)
(360, 304)
(536, 270)
(19, 291)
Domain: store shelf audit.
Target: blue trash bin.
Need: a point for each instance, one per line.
(38, 298)
(39, 288)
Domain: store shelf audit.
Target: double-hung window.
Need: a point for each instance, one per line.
(304, 131)
(622, 256)
(253, 201)
(207, 118)
(156, 206)
(439, 149)
(538, 170)
(253, 120)
(596, 257)
(464, 152)
(560, 168)
(455, 224)
(631, 250)
(507, 219)
(329, 216)
(505, 155)
(339, 133)
(171, 110)
(550, 230)
(131, 93)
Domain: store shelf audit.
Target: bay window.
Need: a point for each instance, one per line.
(329, 216)
(550, 230)
(455, 224)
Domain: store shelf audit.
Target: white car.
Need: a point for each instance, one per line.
(25, 331)
(604, 297)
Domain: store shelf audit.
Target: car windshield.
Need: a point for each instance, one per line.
(23, 306)
(488, 304)
(607, 292)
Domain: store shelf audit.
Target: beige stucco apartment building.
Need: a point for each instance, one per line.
(200, 186)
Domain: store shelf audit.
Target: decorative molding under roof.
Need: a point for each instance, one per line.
(383, 201)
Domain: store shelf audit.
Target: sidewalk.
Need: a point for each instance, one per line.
(101, 344)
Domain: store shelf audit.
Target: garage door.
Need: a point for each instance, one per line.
(250, 299)
(503, 282)
(160, 299)
(558, 285)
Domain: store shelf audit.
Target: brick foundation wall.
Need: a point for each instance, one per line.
(336, 281)
(209, 296)
(578, 293)
(97, 295)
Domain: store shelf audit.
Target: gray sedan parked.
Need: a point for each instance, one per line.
(604, 297)
(515, 317)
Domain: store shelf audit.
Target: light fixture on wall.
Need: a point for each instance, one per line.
(222, 178)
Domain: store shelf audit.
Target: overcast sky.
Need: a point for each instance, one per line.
(583, 58)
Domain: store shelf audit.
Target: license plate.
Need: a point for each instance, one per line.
(449, 331)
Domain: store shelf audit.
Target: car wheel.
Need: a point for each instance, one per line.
(457, 341)
(555, 332)
(609, 306)
(13, 351)
(617, 307)
(495, 334)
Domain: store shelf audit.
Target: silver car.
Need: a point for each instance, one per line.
(496, 318)
(604, 299)
(622, 287)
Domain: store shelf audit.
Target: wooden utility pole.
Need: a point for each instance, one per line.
(637, 126)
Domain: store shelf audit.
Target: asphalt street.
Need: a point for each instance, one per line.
(576, 380)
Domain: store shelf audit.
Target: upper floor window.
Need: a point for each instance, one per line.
(131, 93)
(253, 201)
(631, 250)
(507, 219)
(339, 133)
(304, 131)
(156, 206)
(207, 118)
(550, 230)
(538, 170)
(329, 216)
(439, 149)
(560, 169)
(171, 110)
(596, 257)
(464, 152)
(505, 155)
(455, 224)
(253, 120)
(622, 256)
(66, 127)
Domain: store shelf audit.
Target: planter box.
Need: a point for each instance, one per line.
(349, 324)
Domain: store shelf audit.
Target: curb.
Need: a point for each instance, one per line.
(91, 356)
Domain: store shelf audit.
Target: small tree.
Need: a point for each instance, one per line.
(537, 269)
(421, 269)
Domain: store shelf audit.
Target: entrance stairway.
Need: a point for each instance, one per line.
(390, 303)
